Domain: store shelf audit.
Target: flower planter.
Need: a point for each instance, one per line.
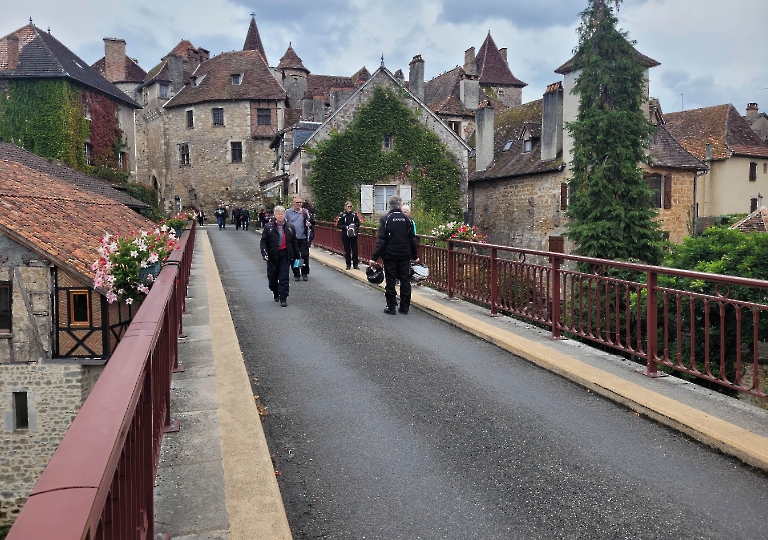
(151, 270)
(179, 231)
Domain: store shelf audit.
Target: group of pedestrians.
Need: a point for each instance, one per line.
(286, 239)
(285, 243)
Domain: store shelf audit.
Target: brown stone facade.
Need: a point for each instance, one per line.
(676, 220)
(521, 212)
(196, 165)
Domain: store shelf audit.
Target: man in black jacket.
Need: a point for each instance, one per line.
(280, 249)
(396, 244)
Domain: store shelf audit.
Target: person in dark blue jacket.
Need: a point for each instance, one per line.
(396, 244)
(280, 249)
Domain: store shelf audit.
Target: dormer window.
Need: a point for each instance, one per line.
(236, 79)
(527, 145)
(163, 90)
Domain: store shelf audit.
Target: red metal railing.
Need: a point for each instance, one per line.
(690, 322)
(99, 483)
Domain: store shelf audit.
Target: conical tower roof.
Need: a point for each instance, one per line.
(492, 68)
(253, 40)
(291, 60)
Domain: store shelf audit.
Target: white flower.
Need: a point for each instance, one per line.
(134, 254)
(129, 301)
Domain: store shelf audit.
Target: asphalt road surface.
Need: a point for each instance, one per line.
(405, 427)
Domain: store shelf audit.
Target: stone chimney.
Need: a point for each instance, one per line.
(318, 108)
(469, 92)
(307, 105)
(13, 51)
(484, 137)
(416, 77)
(552, 122)
(752, 111)
(708, 152)
(503, 53)
(114, 59)
(399, 76)
(470, 62)
(176, 70)
(339, 95)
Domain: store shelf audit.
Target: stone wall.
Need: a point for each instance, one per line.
(521, 212)
(677, 220)
(54, 396)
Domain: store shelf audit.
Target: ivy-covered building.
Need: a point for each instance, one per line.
(59, 107)
(382, 141)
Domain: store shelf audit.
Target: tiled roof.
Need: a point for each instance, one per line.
(185, 49)
(11, 152)
(647, 61)
(361, 76)
(757, 221)
(257, 81)
(291, 60)
(61, 222)
(492, 68)
(320, 85)
(720, 126)
(665, 151)
(133, 72)
(253, 40)
(158, 73)
(508, 126)
(443, 93)
(45, 57)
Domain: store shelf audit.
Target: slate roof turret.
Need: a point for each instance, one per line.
(492, 68)
(253, 40)
(291, 60)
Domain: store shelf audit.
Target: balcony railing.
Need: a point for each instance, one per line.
(99, 483)
(705, 325)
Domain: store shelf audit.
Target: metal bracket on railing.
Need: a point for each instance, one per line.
(653, 375)
(173, 427)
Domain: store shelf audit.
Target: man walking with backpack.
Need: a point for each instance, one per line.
(396, 244)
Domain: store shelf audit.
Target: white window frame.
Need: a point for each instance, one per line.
(381, 195)
(405, 193)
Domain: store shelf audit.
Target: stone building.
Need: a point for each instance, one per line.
(757, 120)
(737, 159)
(518, 194)
(56, 330)
(33, 57)
(373, 196)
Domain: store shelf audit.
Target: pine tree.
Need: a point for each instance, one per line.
(611, 213)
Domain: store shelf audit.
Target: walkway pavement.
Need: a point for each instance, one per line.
(216, 479)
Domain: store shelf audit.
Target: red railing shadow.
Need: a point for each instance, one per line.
(99, 483)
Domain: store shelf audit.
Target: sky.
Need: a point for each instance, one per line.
(711, 52)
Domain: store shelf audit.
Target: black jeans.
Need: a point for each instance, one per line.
(350, 248)
(278, 274)
(394, 270)
(304, 253)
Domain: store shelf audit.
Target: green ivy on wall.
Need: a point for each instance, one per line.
(357, 156)
(46, 118)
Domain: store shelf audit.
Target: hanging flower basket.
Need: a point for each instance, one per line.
(128, 265)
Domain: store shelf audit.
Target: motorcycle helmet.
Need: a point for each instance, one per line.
(375, 274)
(419, 272)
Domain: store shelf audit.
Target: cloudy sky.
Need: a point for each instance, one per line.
(711, 52)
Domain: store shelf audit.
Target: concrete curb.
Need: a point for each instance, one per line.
(252, 495)
(730, 439)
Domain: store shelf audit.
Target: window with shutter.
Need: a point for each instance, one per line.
(366, 199)
(563, 196)
(667, 191)
(405, 194)
(752, 171)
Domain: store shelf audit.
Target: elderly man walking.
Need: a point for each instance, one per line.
(279, 249)
(301, 220)
(396, 244)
